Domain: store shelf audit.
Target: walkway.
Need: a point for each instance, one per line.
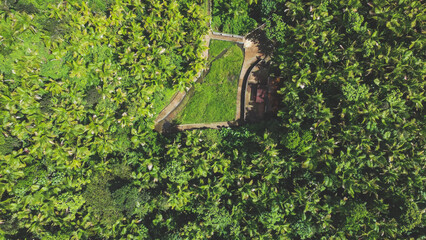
(251, 56)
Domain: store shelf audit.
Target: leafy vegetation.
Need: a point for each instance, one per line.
(205, 6)
(79, 159)
(214, 100)
(232, 17)
(76, 87)
(353, 114)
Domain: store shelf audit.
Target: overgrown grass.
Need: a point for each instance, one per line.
(214, 100)
(217, 46)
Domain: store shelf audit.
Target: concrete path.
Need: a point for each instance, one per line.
(226, 38)
(251, 56)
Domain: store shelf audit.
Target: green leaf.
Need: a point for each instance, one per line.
(377, 81)
(386, 135)
(35, 187)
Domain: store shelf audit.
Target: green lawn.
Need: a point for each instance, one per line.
(214, 100)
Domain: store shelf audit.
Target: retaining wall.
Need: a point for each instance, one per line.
(228, 35)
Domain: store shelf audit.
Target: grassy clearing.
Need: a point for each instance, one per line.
(214, 100)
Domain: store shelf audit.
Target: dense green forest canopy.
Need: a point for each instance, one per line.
(344, 158)
(231, 17)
